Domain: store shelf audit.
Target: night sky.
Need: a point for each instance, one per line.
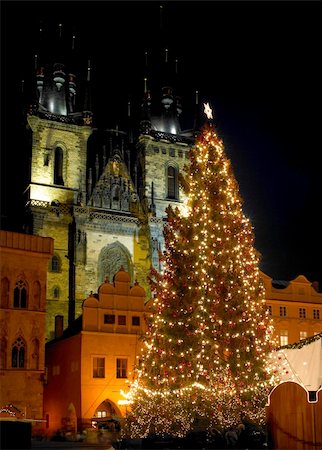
(257, 63)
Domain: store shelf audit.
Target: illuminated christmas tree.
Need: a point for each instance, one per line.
(205, 354)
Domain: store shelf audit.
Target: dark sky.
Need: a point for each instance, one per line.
(257, 63)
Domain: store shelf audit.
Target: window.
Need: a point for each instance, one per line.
(136, 321)
(58, 167)
(303, 335)
(270, 310)
(18, 354)
(109, 318)
(55, 264)
(121, 368)
(20, 295)
(172, 176)
(302, 313)
(98, 367)
(316, 314)
(282, 311)
(121, 320)
(56, 292)
(284, 337)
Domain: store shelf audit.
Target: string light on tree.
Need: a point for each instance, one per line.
(209, 335)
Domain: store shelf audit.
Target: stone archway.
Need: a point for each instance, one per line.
(111, 258)
(107, 420)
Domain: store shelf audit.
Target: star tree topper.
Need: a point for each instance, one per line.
(208, 111)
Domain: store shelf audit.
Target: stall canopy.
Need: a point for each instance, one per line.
(302, 362)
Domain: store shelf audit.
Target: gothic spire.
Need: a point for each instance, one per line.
(87, 110)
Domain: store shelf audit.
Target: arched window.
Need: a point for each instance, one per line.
(58, 167)
(56, 292)
(36, 294)
(18, 354)
(111, 258)
(4, 293)
(20, 295)
(55, 264)
(172, 178)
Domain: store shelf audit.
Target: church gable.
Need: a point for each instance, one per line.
(114, 189)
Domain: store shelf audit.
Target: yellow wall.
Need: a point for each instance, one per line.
(70, 358)
(299, 293)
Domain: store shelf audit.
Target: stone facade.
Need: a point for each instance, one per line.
(24, 261)
(99, 214)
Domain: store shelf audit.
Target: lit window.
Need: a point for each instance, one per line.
(316, 314)
(98, 367)
(121, 320)
(18, 354)
(303, 335)
(302, 313)
(282, 311)
(109, 318)
(121, 368)
(284, 337)
(20, 295)
(136, 321)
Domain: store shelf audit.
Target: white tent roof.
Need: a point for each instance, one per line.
(302, 362)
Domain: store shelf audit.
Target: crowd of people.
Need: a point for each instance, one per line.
(245, 436)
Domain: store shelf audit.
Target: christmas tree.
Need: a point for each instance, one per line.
(209, 335)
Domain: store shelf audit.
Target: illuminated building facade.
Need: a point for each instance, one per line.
(24, 260)
(296, 308)
(101, 195)
(89, 363)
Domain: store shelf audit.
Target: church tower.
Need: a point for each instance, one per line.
(101, 194)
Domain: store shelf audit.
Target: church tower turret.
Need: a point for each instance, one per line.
(58, 168)
(102, 193)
